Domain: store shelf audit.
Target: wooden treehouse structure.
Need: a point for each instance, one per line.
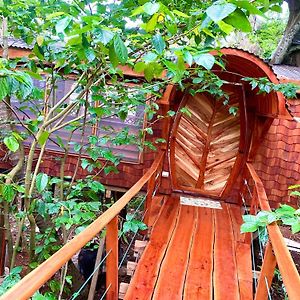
(195, 252)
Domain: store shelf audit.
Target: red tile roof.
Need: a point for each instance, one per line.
(278, 159)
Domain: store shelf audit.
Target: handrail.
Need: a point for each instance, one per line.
(36, 278)
(287, 268)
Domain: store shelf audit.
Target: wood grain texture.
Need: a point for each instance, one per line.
(170, 283)
(225, 269)
(206, 143)
(199, 283)
(143, 281)
(112, 259)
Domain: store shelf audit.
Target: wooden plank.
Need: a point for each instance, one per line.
(157, 203)
(225, 270)
(242, 254)
(199, 275)
(143, 281)
(170, 283)
(112, 259)
(266, 274)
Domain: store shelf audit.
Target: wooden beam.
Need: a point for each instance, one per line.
(266, 274)
(112, 259)
(25, 288)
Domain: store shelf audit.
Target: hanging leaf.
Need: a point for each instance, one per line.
(158, 43)
(151, 24)
(120, 49)
(11, 143)
(62, 24)
(41, 181)
(218, 12)
(43, 138)
(151, 8)
(89, 54)
(239, 20)
(8, 192)
(4, 87)
(113, 57)
(105, 36)
(205, 60)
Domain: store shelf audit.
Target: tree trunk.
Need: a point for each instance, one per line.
(293, 26)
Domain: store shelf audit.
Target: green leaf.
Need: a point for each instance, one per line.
(205, 60)
(180, 14)
(151, 24)
(41, 181)
(113, 56)
(4, 87)
(139, 10)
(11, 143)
(62, 24)
(248, 6)
(249, 227)
(89, 54)
(120, 49)
(8, 192)
(139, 67)
(225, 27)
(218, 12)
(239, 21)
(296, 226)
(43, 138)
(151, 8)
(106, 36)
(158, 43)
(55, 14)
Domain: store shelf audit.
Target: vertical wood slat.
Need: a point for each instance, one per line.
(150, 190)
(112, 259)
(266, 274)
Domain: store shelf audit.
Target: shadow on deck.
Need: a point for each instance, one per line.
(194, 253)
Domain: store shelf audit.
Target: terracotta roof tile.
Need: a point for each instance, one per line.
(278, 159)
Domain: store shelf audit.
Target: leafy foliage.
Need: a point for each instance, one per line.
(90, 41)
(286, 214)
(263, 85)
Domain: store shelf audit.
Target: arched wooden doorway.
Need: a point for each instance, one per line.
(208, 144)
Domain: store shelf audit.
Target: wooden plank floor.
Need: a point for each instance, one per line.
(194, 253)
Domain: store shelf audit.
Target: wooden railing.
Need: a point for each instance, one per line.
(276, 252)
(109, 219)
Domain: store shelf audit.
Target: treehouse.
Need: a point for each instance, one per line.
(198, 186)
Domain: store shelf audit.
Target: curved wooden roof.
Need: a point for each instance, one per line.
(246, 64)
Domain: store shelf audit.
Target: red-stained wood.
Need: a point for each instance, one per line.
(242, 254)
(225, 269)
(145, 276)
(112, 259)
(170, 283)
(156, 207)
(199, 283)
(25, 288)
(266, 274)
(148, 202)
(287, 268)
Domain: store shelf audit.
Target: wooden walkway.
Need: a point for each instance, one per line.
(194, 253)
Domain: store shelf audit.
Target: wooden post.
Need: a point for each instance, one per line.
(266, 274)
(2, 242)
(112, 259)
(148, 202)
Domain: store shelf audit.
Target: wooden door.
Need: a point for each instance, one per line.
(207, 146)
